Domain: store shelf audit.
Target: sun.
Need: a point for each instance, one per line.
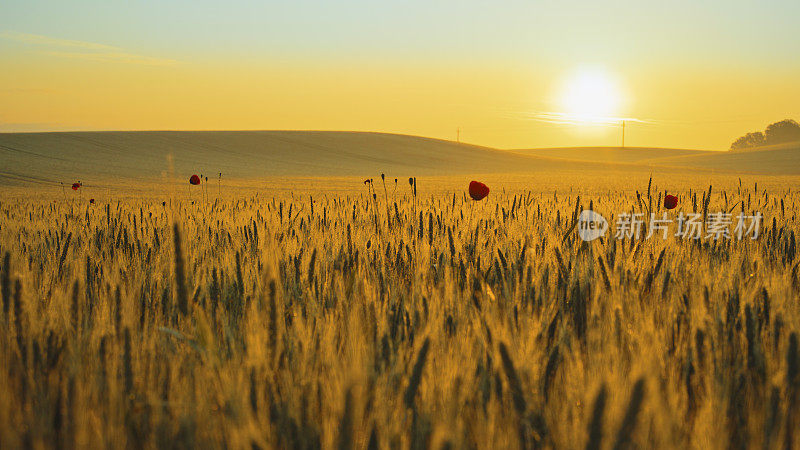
(590, 95)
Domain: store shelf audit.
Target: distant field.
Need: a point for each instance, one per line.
(611, 154)
(778, 160)
(774, 160)
(52, 157)
(141, 160)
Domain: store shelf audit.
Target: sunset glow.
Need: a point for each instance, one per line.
(590, 96)
(477, 68)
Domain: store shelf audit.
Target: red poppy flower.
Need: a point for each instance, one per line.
(75, 186)
(670, 201)
(194, 179)
(478, 190)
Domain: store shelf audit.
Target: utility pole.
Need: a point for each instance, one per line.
(458, 134)
(623, 134)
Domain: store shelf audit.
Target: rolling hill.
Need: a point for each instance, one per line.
(54, 157)
(610, 154)
(130, 157)
(773, 160)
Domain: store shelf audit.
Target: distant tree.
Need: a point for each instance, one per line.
(784, 131)
(777, 133)
(748, 140)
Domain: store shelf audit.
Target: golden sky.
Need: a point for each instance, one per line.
(499, 91)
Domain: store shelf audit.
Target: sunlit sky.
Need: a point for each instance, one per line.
(513, 74)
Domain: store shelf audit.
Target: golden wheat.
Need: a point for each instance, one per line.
(300, 321)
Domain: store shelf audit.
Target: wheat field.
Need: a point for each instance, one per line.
(384, 316)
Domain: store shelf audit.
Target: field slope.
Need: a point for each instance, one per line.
(139, 156)
(52, 157)
(773, 160)
(610, 154)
